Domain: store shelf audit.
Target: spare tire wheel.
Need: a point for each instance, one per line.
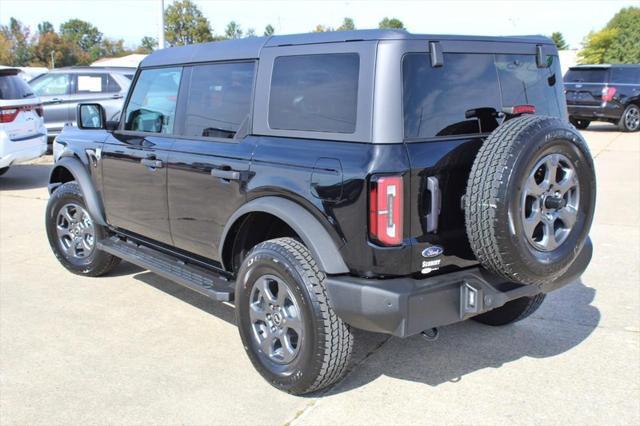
(530, 199)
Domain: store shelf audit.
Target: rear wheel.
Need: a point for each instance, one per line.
(73, 234)
(580, 123)
(289, 330)
(4, 170)
(513, 311)
(630, 120)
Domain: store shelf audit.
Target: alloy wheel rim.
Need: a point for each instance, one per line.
(75, 230)
(276, 319)
(550, 202)
(632, 118)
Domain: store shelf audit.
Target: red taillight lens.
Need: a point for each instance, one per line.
(8, 114)
(608, 93)
(386, 210)
(520, 109)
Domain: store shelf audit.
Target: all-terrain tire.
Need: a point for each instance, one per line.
(494, 201)
(326, 342)
(512, 311)
(97, 262)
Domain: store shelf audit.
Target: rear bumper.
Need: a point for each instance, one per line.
(13, 152)
(405, 306)
(610, 111)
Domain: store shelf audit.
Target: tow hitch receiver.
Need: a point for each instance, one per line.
(471, 300)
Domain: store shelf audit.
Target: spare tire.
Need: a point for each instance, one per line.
(530, 199)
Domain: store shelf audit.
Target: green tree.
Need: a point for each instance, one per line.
(83, 33)
(250, 33)
(108, 48)
(322, 29)
(347, 25)
(559, 40)
(392, 23)
(148, 44)
(184, 24)
(233, 30)
(45, 27)
(597, 43)
(18, 37)
(269, 30)
(617, 43)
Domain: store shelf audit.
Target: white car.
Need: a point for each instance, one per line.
(23, 136)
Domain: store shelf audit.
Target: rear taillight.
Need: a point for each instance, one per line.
(608, 93)
(386, 210)
(8, 114)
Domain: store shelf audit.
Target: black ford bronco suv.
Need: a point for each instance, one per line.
(609, 93)
(380, 180)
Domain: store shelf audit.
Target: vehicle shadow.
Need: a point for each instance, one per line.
(25, 176)
(602, 127)
(564, 320)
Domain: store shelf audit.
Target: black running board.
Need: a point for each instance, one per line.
(206, 282)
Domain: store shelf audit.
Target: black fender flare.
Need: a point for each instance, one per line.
(310, 230)
(81, 176)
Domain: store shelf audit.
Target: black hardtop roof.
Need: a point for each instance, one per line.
(250, 47)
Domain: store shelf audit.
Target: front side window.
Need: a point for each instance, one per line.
(51, 84)
(152, 106)
(219, 100)
(316, 93)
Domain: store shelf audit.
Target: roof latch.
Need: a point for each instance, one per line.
(435, 51)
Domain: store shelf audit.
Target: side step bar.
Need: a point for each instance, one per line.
(204, 281)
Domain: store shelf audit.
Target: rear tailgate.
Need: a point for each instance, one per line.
(583, 86)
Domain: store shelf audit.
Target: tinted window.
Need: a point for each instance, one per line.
(219, 99)
(13, 87)
(625, 75)
(315, 93)
(96, 83)
(461, 97)
(523, 83)
(152, 106)
(51, 84)
(129, 76)
(586, 75)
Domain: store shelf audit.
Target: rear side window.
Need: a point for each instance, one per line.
(625, 75)
(316, 93)
(96, 83)
(461, 97)
(152, 106)
(523, 83)
(13, 87)
(54, 84)
(219, 100)
(586, 75)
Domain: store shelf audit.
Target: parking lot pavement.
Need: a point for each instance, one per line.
(133, 348)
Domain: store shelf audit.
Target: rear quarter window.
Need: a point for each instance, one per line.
(13, 87)
(625, 75)
(315, 93)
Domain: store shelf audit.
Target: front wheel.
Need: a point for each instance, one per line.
(73, 235)
(289, 330)
(630, 120)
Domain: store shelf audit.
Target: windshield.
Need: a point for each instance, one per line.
(586, 75)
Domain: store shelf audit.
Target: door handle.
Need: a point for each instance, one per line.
(116, 96)
(53, 101)
(226, 174)
(152, 163)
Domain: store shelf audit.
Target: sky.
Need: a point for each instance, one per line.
(133, 19)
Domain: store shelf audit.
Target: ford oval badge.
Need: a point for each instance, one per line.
(432, 251)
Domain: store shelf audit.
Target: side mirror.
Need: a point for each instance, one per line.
(91, 117)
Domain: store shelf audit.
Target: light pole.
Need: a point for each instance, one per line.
(161, 31)
(53, 60)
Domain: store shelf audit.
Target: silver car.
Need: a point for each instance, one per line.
(62, 89)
